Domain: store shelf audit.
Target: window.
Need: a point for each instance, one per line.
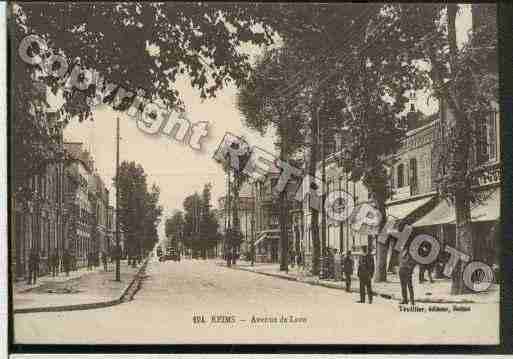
(413, 176)
(406, 174)
(481, 144)
(492, 136)
(400, 176)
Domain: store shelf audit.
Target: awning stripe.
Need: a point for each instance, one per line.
(444, 213)
(403, 210)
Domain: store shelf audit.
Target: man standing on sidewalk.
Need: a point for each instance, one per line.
(365, 272)
(348, 268)
(33, 266)
(406, 265)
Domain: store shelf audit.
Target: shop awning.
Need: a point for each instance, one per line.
(271, 234)
(402, 210)
(444, 213)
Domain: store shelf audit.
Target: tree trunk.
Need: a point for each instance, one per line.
(284, 238)
(311, 171)
(236, 220)
(459, 166)
(380, 275)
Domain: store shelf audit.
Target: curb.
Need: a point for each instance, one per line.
(71, 307)
(333, 286)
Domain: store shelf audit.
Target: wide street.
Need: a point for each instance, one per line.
(173, 293)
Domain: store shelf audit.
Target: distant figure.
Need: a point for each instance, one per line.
(348, 268)
(423, 268)
(66, 261)
(406, 265)
(365, 272)
(54, 262)
(73, 261)
(33, 266)
(292, 257)
(299, 259)
(88, 259)
(105, 261)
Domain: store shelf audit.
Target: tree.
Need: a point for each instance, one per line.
(316, 39)
(465, 79)
(131, 46)
(174, 225)
(364, 90)
(261, 111)
(139, 211)
(200, 223)
(152, 214)
(209, 225)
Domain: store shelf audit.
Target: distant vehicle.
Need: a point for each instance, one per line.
(172, 253)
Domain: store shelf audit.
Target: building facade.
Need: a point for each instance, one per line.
(225, 218)
(36, 219)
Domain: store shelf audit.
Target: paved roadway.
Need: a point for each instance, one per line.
(173, 293)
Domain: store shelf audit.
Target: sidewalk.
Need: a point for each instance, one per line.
(437, 292)
(83, 289)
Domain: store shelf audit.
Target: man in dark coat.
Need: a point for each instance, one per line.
(33, 266)
(365, 272)
(406, 265)
(423, 268)
(105, 261)
(348, 268)
(66, 261)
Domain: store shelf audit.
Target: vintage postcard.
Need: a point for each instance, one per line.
(254, 173)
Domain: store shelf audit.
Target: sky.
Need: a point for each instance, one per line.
(176, 168)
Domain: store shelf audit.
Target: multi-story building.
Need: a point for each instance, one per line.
(79, 172)
(267, 217)
(339, 234)
(37, 213)
(110, 229)
(99, 200)
(484, 160)
(87, 203)
(225, 217)
(485, 209)
(413, 174)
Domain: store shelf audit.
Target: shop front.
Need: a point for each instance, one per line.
(485, 222)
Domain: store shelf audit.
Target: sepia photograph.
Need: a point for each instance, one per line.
(252, 173)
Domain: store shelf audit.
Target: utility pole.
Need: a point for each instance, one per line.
(118, 248)
(323, 211)
(253, 225)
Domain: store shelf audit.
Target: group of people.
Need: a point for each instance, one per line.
(406, 267)
(366, 270)
(68, 260)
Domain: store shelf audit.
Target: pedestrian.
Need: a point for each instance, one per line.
(423, 268)
(292, 257)
(105, 261)
(89, 260)
(66, 261)
(54, 262)
(73, 261)
(406, 265)
(30, 266)
(33, 266)
(365, 272)
(348, 268)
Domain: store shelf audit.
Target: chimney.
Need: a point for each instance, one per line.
(411, 118)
